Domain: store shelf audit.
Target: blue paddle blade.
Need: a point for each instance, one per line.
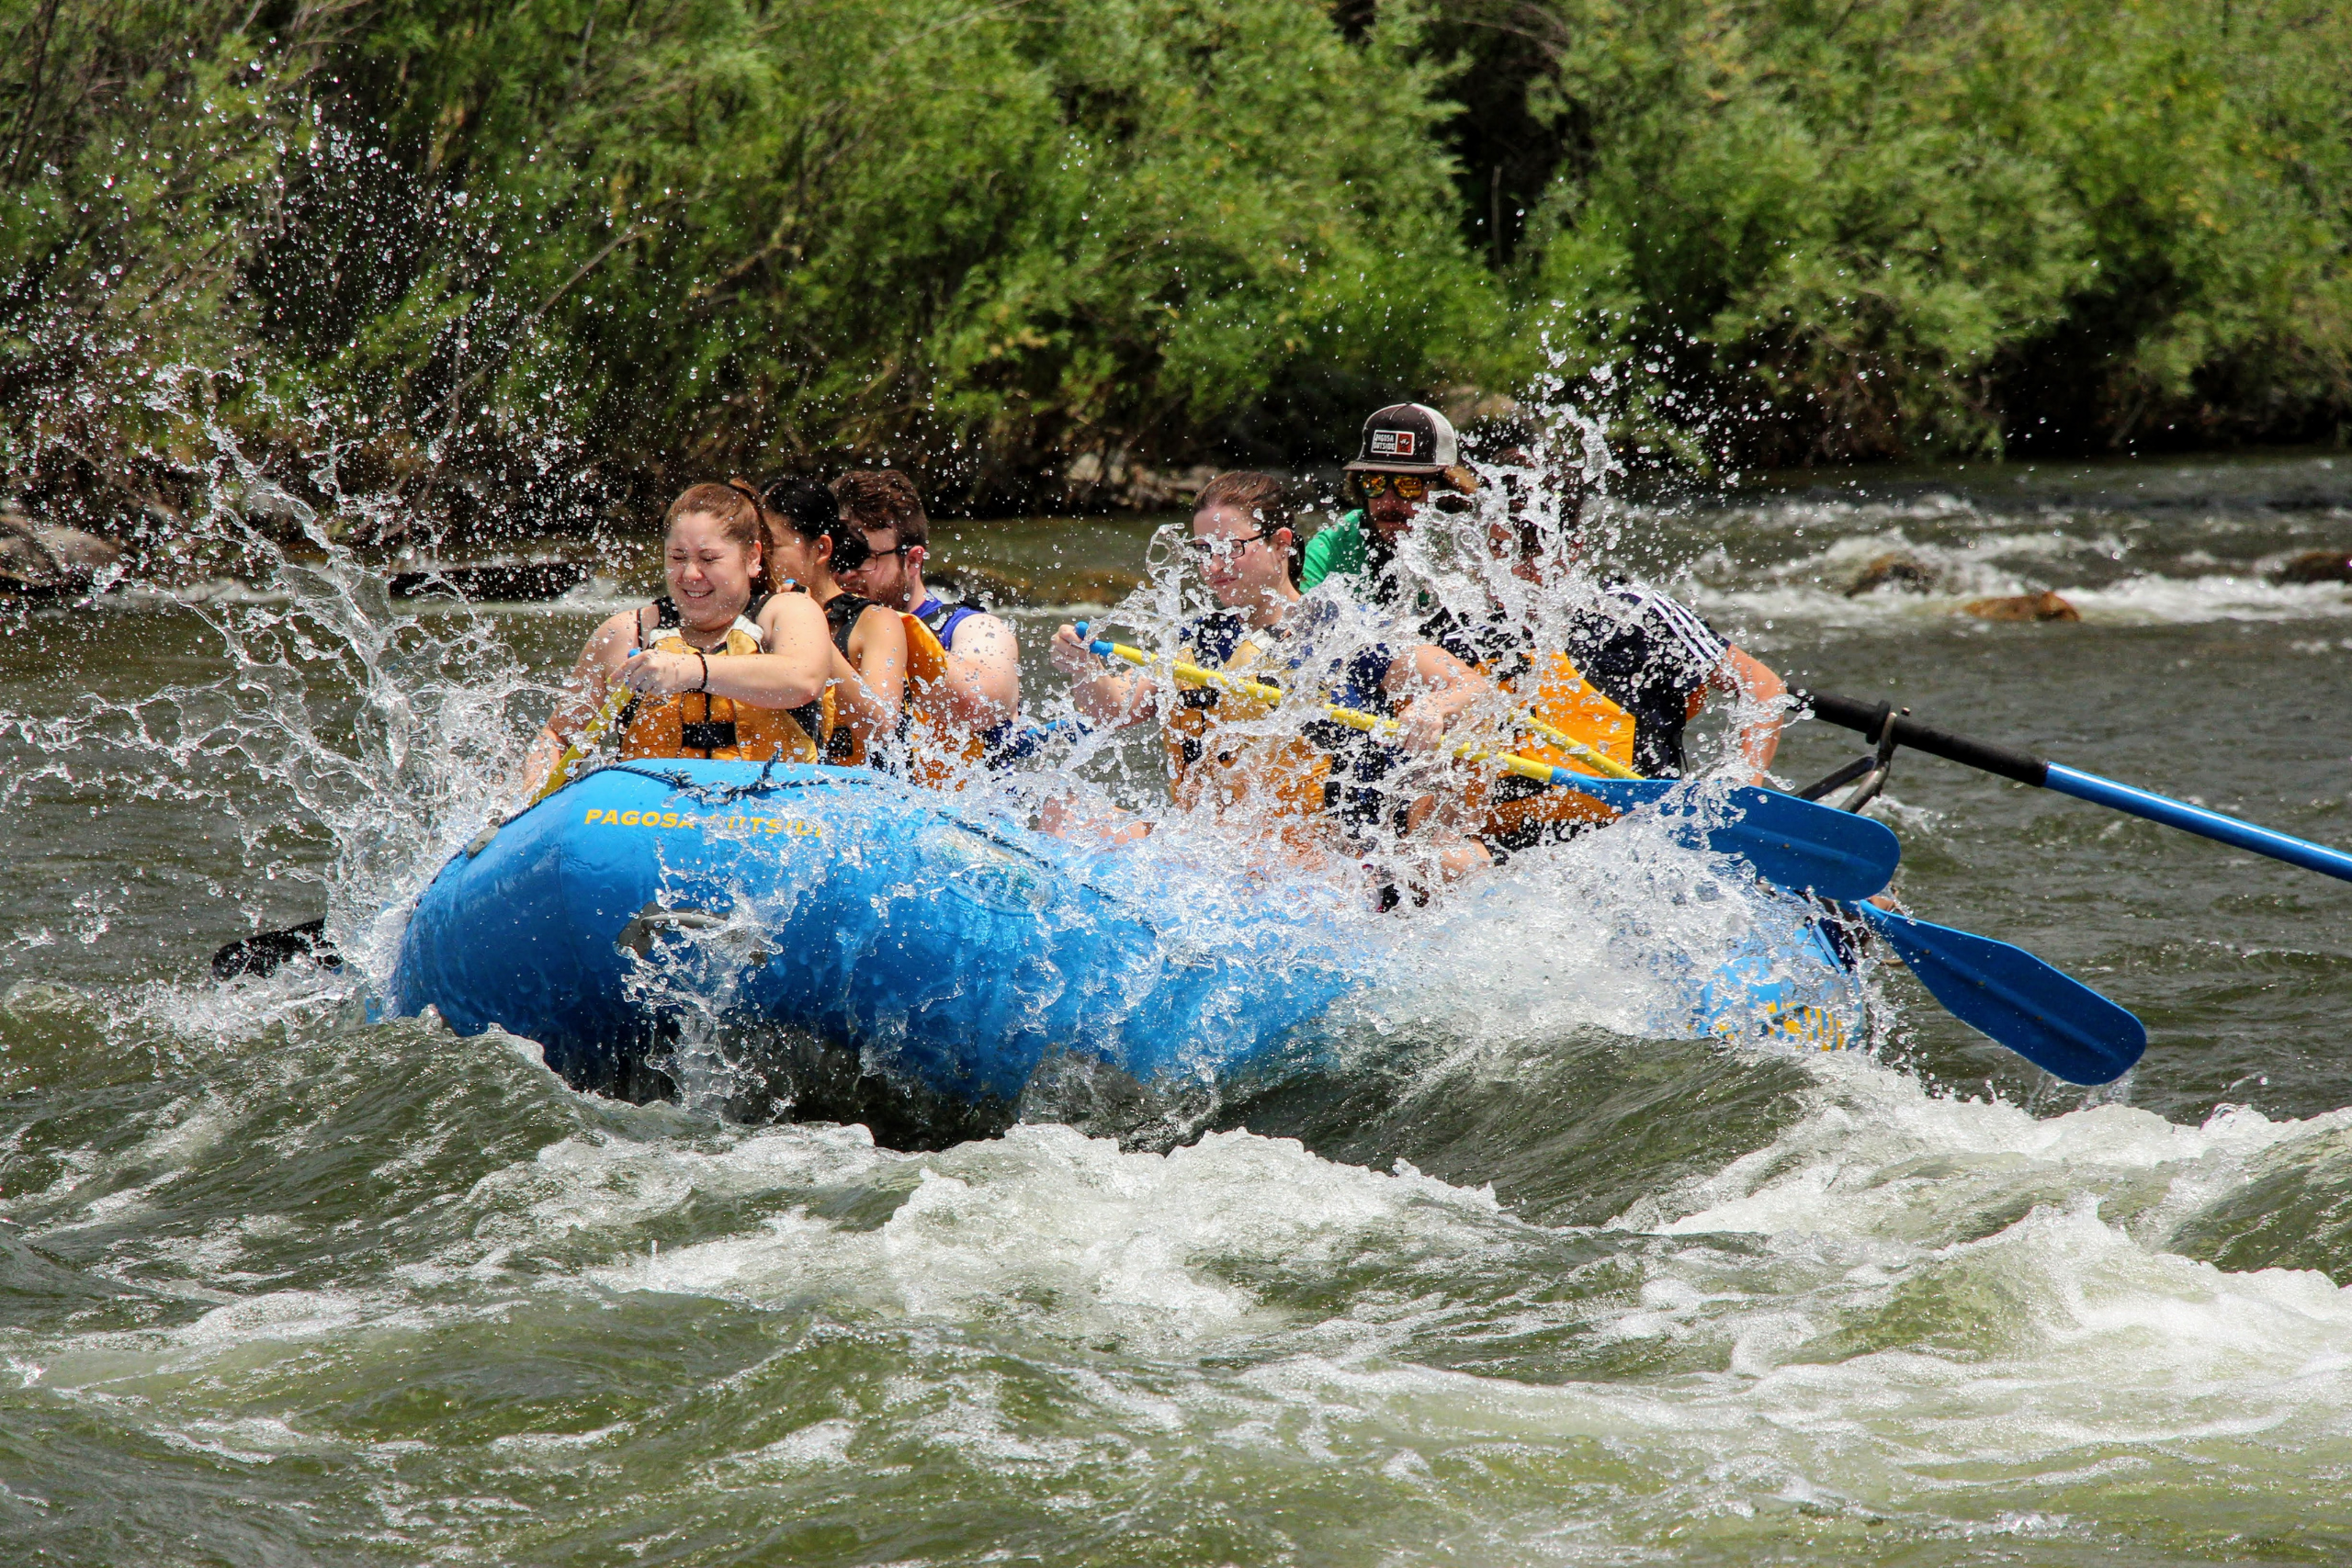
(2049, 1018)
(1793, 843)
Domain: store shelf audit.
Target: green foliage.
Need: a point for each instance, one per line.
(429, 250)
(693, 238)
(138, 179)
(1920, 225)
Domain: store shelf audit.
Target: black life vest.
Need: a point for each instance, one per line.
(841, 611)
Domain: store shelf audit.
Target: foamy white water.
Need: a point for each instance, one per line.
(1513, 1277)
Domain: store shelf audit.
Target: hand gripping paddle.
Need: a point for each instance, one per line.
(1792, 843)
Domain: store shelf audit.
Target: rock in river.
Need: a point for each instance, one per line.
(2317, 566)
(1897, 571)
(43, 559)
(2042, 606)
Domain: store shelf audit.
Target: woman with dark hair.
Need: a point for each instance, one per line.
(720, 667)
(807, 543)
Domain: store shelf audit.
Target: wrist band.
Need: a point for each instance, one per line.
(706, 669)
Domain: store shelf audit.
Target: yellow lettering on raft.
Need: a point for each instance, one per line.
(795, 827)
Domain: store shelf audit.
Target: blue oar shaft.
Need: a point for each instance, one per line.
(1872, 719)
(2196, 819)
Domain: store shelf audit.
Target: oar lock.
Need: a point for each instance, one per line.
(1867, 774)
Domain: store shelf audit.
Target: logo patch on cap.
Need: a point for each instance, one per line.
(1392, 443)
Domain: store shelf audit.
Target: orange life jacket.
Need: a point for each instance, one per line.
(1514, 812)
(843, 744)
(1274, 782)
(697, 724)
(941, 751)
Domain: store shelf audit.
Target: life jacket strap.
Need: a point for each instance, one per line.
(943, 619)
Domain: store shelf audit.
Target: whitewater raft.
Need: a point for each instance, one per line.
(951, 953)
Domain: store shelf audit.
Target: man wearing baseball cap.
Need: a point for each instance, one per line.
(1410, 460)
(1653, 659)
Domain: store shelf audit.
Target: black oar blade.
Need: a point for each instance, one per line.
(1798, 844)
(2044, 1015)
(265, 953)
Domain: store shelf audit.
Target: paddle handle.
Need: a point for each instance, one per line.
(593, 731)
(1575, 748)
(1870, 718)
(1387, 728)
(1541, 772)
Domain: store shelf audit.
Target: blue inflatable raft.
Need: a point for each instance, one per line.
(842, 911)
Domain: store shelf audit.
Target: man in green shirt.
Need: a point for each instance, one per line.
(1410, 460)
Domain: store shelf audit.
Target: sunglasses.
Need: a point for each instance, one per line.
(1410, 487)
(873, 556)
(1220, 544)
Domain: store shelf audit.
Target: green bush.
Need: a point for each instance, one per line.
(677, 240)
(408, 258)
(1894, 227)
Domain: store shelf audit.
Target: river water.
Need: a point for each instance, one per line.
(279, 1285)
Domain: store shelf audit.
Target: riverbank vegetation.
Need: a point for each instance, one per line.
(386, 258)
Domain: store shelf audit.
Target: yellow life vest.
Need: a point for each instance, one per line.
(941, 751)
(1515, 812)
(1266, 781)
(697, 724)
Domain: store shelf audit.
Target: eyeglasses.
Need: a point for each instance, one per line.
(1410, 487)
(1203, 547)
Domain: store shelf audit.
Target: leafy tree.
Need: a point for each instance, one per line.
(420, 258)
(1891, 226)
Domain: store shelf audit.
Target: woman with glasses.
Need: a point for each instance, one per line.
(1315, 784)
(809, 544)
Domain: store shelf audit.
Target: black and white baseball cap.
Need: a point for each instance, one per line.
(1410, 438)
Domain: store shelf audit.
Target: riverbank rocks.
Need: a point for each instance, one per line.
(1896, 571)
(2042, 606)
(41, 560)
(1096, 479)
(2316, 565)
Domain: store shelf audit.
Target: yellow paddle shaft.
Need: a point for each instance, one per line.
(1542, 772)
(593, 731)
(1574, 747)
